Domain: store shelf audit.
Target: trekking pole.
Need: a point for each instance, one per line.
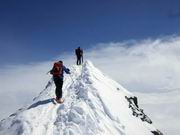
(71, 78)
(82, 59)
(49, 83)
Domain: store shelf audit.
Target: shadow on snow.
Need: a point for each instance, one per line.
(42, 102)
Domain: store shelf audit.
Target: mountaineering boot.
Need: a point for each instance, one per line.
(59, 100)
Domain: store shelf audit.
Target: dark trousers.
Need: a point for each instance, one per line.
(59, 83)
(78, 60)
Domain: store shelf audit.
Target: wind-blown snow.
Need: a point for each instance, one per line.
(94, 105)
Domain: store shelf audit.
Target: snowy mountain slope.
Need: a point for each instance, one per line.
(94, 105)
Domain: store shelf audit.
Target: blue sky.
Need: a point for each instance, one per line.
(39, 30)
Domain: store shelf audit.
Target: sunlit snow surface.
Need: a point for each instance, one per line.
(94, 105)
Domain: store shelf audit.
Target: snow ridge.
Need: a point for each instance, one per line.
(94, 105)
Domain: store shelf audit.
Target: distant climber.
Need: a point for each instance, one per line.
(57, 72)
(79, 55)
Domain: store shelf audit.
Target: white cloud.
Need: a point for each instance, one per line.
(142, 66)
(149, 67)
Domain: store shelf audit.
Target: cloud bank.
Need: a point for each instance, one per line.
(150, 68)
(148, 65)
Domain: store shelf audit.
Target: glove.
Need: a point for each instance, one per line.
(68, 70)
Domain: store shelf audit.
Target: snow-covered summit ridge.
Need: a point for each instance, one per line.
(94, 105)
